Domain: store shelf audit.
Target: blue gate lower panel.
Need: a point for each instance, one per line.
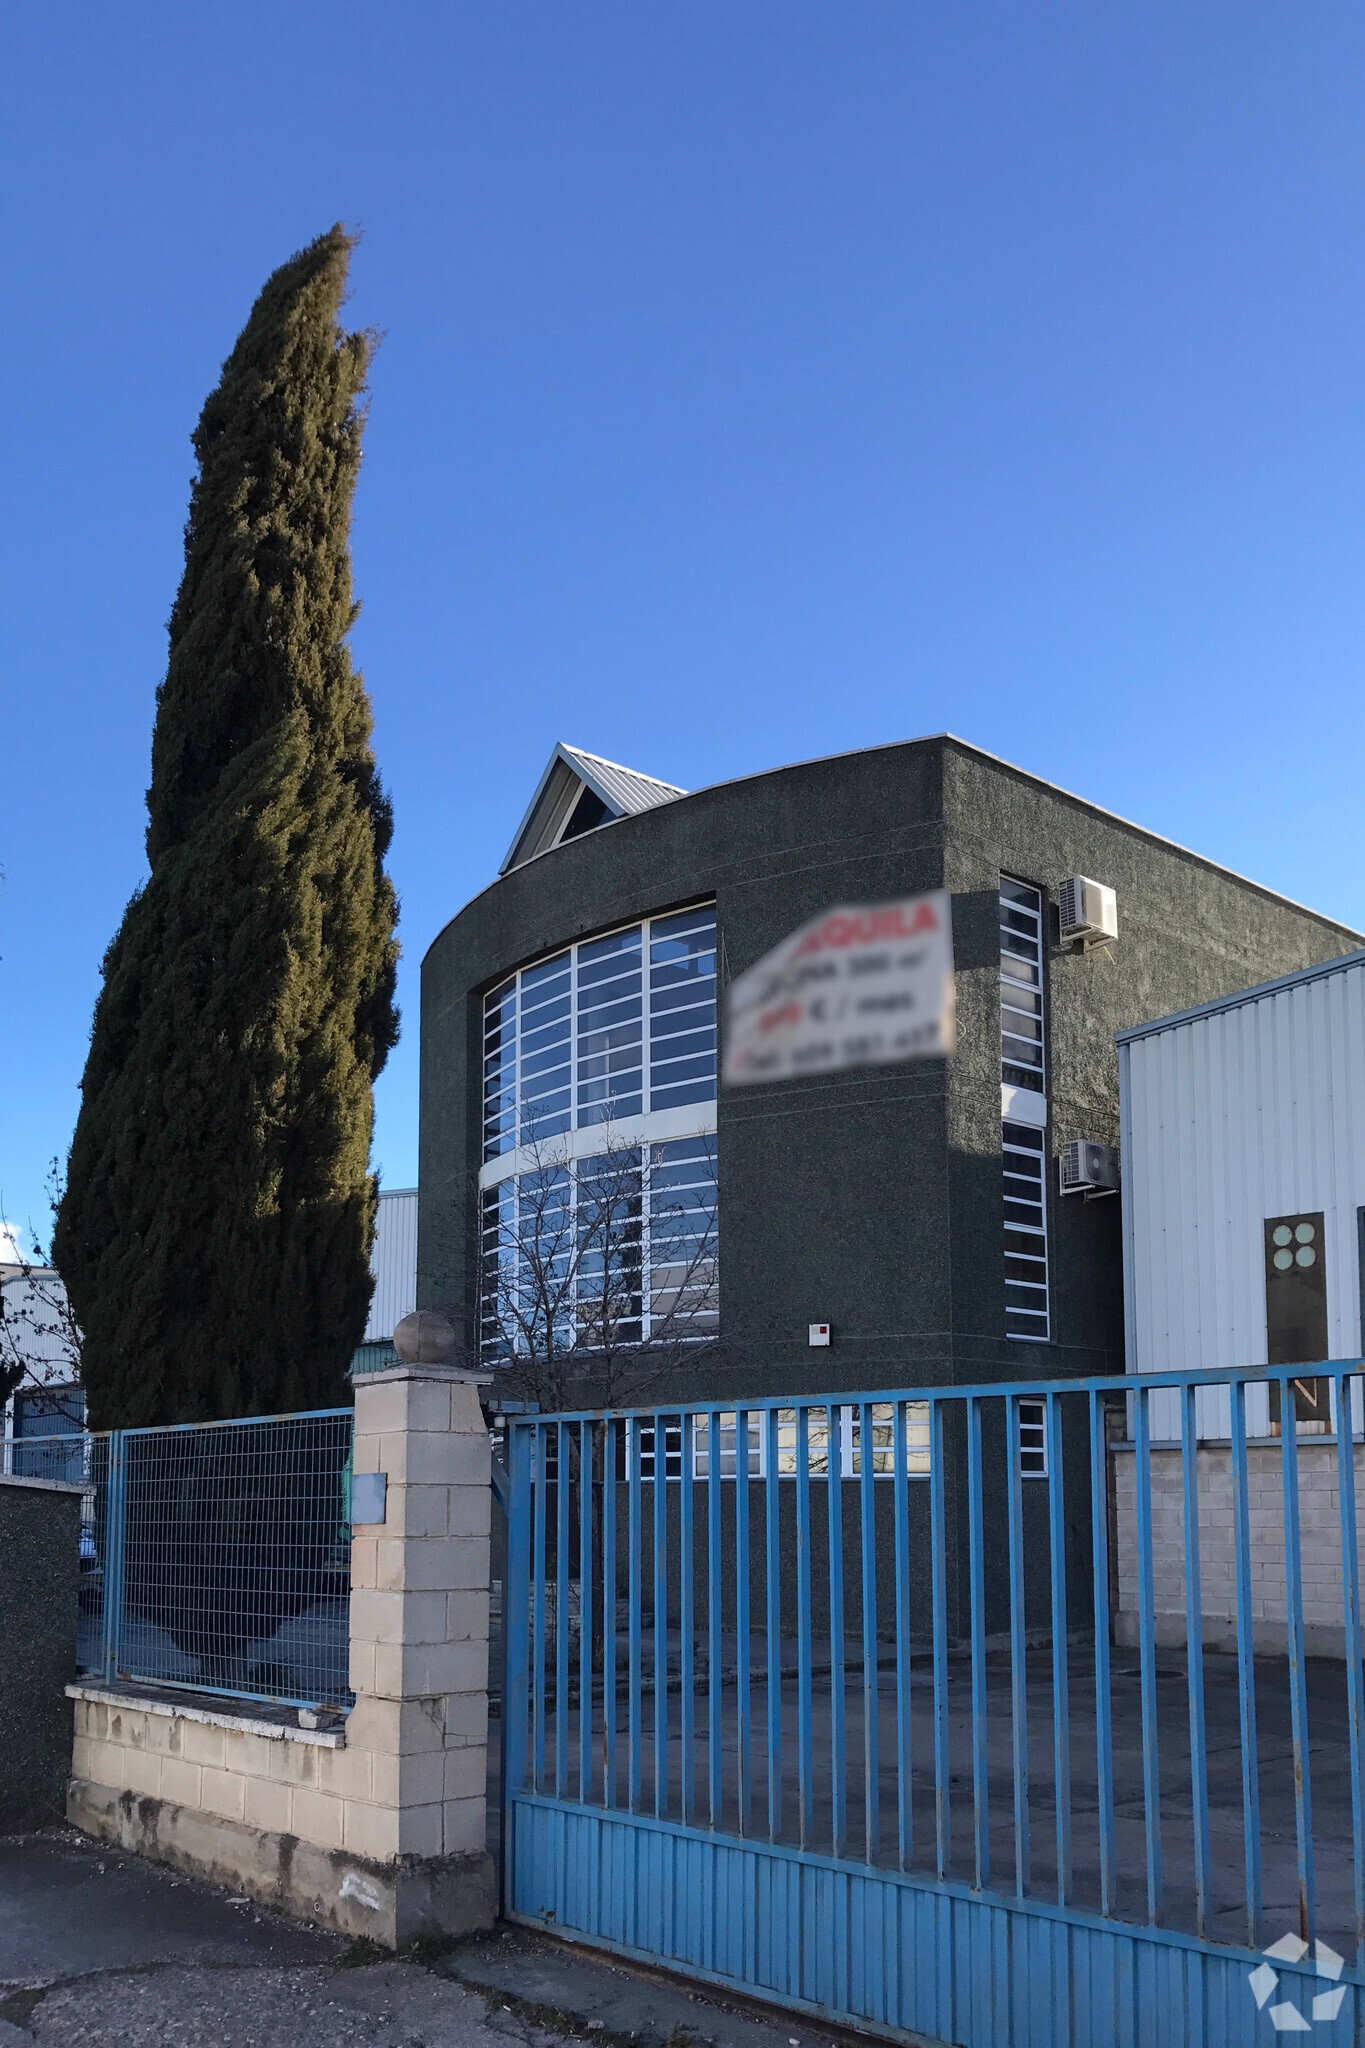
(903, 1956)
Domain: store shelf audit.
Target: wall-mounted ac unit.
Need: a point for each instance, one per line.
(1089, 912)
(1088, 1168)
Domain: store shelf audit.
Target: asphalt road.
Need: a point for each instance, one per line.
(103, 1950)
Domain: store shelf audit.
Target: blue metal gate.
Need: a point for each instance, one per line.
(924, 1711)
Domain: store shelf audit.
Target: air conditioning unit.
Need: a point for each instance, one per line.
(1090, 913)
(1088, 1168)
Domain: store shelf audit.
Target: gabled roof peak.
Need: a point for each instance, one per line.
(577, 792)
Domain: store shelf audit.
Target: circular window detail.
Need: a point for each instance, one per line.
(1283, 1260)
(1305, 1256)
(1283, 1234)
(1305, 1233)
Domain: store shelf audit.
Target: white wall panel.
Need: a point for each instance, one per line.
(393, 1261)
(1229, 1116)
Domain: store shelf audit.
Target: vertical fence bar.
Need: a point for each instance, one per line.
(943, 1837)
(1194, 1659)
(585, 1629)
(687, 1716)
(774, 1592)
(1246, 1665)
(804, 1647)
(516, 1603)
(905, 1805)
(115, 1548)
(538, 1621)
(1104, 1731)
(867, 1480)
(1298, 1675)
(743, 1698)
(609, 1442)
(715, 1755)
(1018, 1649)
(834, 1474)
(660, 1618)
(516, 1626)
(976, 1536)
(1061, 1687)
(634, 1540)
(563, 1484)
(1350, 1600)
(1151, 1778)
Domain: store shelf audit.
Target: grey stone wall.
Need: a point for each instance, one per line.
(39, 1585)
(1189, 932)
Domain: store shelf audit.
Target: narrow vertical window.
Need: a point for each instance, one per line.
(1024, 1147)
(1032, 1445)
(1021, 986)
(1025, 1232)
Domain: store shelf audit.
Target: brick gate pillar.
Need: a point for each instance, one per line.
(417, 1738)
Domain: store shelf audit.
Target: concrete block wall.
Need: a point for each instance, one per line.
(379, 1827)
(1319, 1539)
(290, 1780)
(419, 1616)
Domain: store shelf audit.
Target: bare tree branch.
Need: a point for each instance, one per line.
(599, 1275)
(37, 1328)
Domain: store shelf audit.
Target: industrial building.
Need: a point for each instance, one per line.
(1243, 1124)
(1243, 1129)
(393, 1267)
(941, 1221)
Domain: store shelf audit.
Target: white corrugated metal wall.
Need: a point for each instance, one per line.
(1228, 1117)
(393, 1261)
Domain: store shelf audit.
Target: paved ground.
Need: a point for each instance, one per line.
(101, 1950)
(1328, 1759)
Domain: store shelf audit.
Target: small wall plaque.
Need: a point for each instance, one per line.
(368, 1492)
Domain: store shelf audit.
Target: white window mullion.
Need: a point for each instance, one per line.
(646, 1245)
(646, 1006)
(573, 1038)
(516, 1092)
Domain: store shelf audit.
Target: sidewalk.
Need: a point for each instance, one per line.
(103, 1950)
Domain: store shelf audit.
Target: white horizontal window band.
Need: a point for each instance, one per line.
(659, 1126)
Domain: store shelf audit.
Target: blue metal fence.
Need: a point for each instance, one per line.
(214, 1557)
(823, 1698)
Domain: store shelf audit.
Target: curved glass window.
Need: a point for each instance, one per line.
(610, 1029)
(600, 1254)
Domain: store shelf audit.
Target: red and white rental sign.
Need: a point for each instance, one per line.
(864, 985)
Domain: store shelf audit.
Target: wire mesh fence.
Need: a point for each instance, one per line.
(215, 1556)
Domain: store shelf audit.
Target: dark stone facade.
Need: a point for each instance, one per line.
(40, 1579)
(869, 1200)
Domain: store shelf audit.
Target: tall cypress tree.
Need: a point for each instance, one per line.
(215, 1229)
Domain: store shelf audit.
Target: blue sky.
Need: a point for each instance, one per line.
(758, 381)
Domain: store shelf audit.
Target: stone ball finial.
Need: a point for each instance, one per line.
(425, 1338)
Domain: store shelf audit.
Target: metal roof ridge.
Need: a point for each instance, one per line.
(587, 767)
(637, 774)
